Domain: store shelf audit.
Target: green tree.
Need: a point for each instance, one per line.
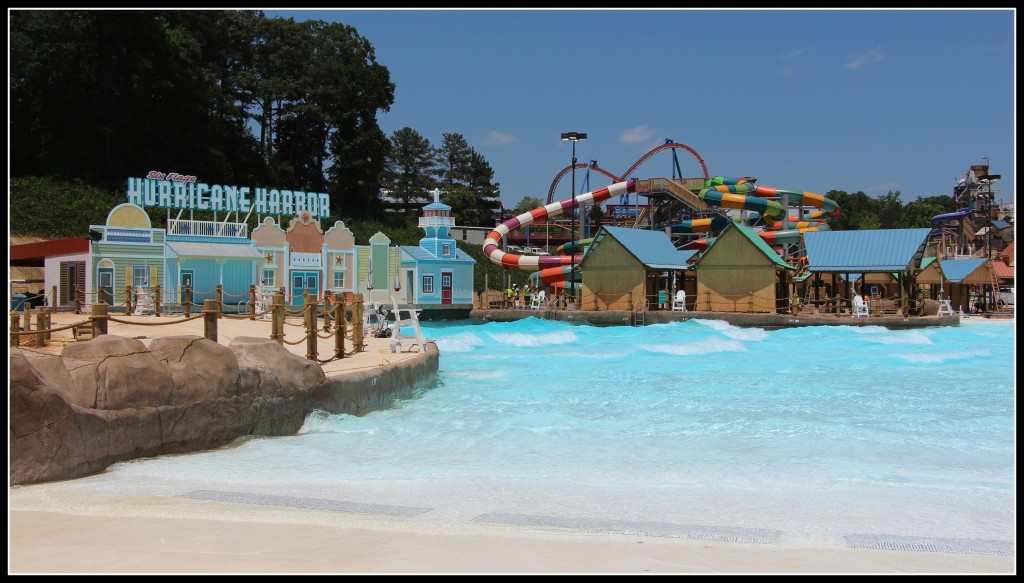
(464, 205)
(889, 210)
(101, 95)
(410, 168)
(919, 213)
(462, 166)
(50, 207)
(526, 204)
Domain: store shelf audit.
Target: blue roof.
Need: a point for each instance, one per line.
(864, 251)
(1000, 225)
(957, 270)
(421, 254)
(652, 248)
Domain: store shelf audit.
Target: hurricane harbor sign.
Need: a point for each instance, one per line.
(179, 191)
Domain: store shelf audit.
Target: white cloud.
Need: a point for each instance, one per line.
(872, 56)
(637, 135)
(792, 54)
(495, 137)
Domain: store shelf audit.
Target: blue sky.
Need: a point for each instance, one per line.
(813, 100)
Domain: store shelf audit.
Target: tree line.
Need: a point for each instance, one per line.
(231, 96)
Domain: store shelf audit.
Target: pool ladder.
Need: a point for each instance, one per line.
(639, 312)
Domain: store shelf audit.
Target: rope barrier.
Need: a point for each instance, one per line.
(299, 341)
(51, 330)
(161, 323)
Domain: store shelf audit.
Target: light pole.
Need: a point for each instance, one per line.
(573, 137)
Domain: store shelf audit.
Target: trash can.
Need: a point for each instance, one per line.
(17, 302)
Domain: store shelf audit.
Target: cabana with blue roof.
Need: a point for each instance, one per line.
(967, 283)
(624, 267)
(846, 256)
(740, 272)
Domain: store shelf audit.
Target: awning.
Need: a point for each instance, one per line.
(213, 250)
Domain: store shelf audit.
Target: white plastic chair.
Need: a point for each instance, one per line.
(537, 301)
(860, 307)
(679, 303)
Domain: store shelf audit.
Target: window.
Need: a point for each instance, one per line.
(339, 279)
(140, 276)
(267, 278)
(446, 249)
(428, 284)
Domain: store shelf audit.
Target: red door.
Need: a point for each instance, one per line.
(446, 287)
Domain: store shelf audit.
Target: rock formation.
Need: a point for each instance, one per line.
(112, 399)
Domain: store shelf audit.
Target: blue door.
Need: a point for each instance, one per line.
(302, 282)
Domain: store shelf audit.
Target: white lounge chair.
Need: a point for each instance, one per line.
(679, 303)
(860, 307)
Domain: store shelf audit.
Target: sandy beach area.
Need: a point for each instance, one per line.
(62, 528)
(55, 529)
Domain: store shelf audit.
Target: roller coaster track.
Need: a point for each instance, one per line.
(593, 165)
(581, 165)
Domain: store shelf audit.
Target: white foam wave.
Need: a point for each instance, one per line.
(735, 332)
(696, 348)
(932, 358)
(907, 337)
(869, 329)
(749, 334)
(478, 375)
(720, 325)
(462, 342)
(545, 339)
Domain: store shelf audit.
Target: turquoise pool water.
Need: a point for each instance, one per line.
(854, 436)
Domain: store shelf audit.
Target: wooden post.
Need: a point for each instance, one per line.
(157, 297)
(211, 311)
(708, 292)
(252, 301)
(339, 328)
(188, 300)
(78, 301)
(128, 300)
(53, 299)
(26, 308)
(750, 302)
(277, 318)
(103, 294)
(42, 325)
(99, 320)
(310, 317)
(220, 299)
(357, 322)
(327, 312)
(15, 325)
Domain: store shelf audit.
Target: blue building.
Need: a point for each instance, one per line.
(436, 277)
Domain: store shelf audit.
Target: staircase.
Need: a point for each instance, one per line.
(994, 282)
